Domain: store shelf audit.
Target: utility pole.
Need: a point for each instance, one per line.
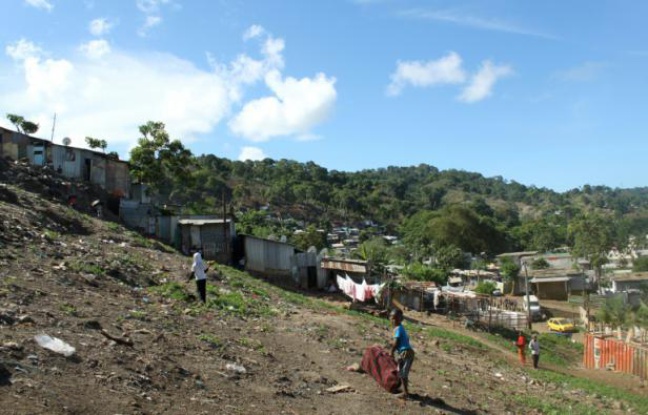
(526, 289)
(53, 128)
(225, 228)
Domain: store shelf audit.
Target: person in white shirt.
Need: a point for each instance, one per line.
(534, 345)
(199, 270)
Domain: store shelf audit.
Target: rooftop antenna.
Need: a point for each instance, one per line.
(53, 127)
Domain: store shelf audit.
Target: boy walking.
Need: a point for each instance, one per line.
(401, 344)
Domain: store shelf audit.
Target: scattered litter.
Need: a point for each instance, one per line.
(354, 368)
(54, 344)
(499, 375)
(340, 388)
(235, 367)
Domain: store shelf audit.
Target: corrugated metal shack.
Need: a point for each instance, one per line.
(271, 260)
(213, 235)
(309, 274)
(353, 267)
(75, 163)
(556, 284)
(356, 269)
(416, 295)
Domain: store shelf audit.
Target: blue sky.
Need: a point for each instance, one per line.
(546, 93)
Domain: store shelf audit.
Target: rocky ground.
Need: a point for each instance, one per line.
(143, 345)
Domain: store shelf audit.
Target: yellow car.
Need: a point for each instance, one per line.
(561, 325)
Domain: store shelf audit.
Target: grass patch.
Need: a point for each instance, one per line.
(87, 268)
(592, 387)
(550, 408)
(212, 340)
(172, 290)
(251, 344)
(51, 235)
(69, 309)
(138, 315)
(559, 350)
(438, 333)
(113, 226)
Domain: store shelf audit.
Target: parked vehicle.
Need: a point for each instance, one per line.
(561, 325)
(531, 305)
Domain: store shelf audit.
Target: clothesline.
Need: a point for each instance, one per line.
(360, 292)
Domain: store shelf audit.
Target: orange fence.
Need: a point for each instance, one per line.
(604, 352)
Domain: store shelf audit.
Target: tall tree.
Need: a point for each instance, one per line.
(22, 125)
(590, 237)
(157, 161)
(510, 271)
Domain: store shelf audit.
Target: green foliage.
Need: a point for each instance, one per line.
(87, 267)
(614, 312)
(590, 387)
(69, 309)
(212, 340)
(173, 290)
(138, 315)
(544, 234)
(641, 315)
(509, 270)
(96, 143)
(22, 125)
(427, 208)
(539, 263)
(375, 251)
(640, 264)
(159, 162)
(451, 257)
(590, 236)
(254, 222)
(421, 272)
(485, 287)
(310, 237)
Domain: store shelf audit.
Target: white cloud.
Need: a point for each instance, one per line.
(92, 97)
(296, 107)
(151, 6)
(272, 49)
(100, 27)
(446, 70)
(253, 31)
(149, 23)
(482, 83)
(23, 49)
(252, 153)
(95, 49)
(587, 71)
(40, 4)
(463, 19)
(152, 10)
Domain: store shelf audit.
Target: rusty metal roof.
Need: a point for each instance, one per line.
(347, 265)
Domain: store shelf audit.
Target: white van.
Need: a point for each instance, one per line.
(533, 305)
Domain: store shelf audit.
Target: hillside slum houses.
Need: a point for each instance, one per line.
(72, 162)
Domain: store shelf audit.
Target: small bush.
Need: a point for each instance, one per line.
(173, 290)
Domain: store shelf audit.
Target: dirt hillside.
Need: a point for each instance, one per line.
(143, 345)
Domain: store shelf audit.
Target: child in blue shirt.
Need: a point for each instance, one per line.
(401, 345)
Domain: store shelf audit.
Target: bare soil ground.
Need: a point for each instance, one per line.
(145, 346)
